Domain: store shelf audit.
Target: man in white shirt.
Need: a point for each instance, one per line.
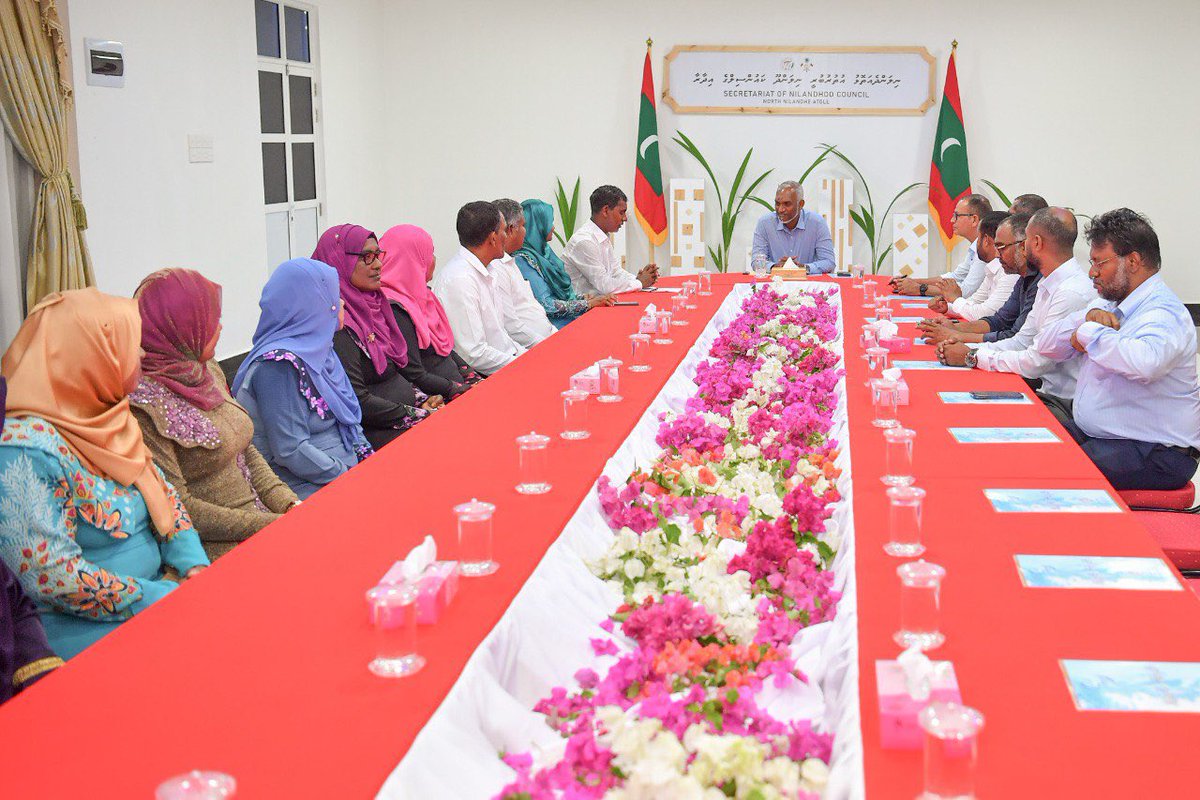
(997, 284)
(1137, 409)
(589, 256)
(524, 318)
(1064, 289)
(467, 290)
(968, 216)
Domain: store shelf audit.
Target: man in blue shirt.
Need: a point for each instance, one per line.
(794, 232)
(1136, 411)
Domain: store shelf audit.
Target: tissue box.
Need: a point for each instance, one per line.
(897, 344)
(898, 727)
(902, 392)
(647, 324)
(435, 588)
(587, 381)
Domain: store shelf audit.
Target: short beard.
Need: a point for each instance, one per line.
(1118, 290)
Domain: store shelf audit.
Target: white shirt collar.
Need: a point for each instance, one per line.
(472, 261)
(1060, 273)
(593, 230)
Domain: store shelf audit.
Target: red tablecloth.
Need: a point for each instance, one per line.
(1006, 640)
(259, 667)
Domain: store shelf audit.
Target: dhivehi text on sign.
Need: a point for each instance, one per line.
(701, 79)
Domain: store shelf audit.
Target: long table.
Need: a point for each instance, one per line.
(258, 668)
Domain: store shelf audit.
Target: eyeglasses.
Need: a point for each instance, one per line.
(1000, 248)
(368, 256)
(1096, 263)
(956, 215)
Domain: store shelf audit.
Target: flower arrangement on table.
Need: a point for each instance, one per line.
(722, 553)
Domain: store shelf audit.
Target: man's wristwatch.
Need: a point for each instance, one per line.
(923, 288)
(971, 359)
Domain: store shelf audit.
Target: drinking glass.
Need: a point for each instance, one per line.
(883, 400)
(640, 345)
(760, 265)
(663, 318)
(689, 294)
(610, 380)
(898, 450)
(575, 414)
(678, 304)
(951, 750)
(869, 338)
(883, 310)
(475, 538)
(197, 785)
(868, 294)
(533, 468)
(904, 524)
(704, 282)
(877, 362)
(394, 617)
(920, 585)
(856, 275)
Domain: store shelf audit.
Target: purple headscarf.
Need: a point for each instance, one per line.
(180, 312)
(368, 314)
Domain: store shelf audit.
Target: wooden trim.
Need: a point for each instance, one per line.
(930, 100)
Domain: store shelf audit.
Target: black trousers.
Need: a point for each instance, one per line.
(1128, 464)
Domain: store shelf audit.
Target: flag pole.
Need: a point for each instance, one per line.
(653, 247)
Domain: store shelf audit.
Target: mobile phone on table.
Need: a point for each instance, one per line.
(625, 302)
(997, 395)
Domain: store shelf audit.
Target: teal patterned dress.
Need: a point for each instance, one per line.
(83, 546)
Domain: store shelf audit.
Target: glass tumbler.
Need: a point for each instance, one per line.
(689, 294)
(610, 380)
(663, 319)
(704, 282)
(533, 468)
(678, 304)
(394, 617)
(920, 587)
(883, 400)
(856, 275)
(868, 294)
(575, 414)
(639, 344)
(898, 452)
(951, 750)
(904, 521)
(475, 538)
(883, 310)
(197, 785)
(877, 362)
(869, 338)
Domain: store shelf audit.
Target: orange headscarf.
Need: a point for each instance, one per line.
(70, 364)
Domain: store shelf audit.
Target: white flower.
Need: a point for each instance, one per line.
(634, 569)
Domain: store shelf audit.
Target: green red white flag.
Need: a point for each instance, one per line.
(648, 203)
(949, 174)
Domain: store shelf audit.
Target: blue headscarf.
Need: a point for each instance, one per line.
(300, 315)
(539, 221)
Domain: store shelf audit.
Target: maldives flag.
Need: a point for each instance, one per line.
(648, 203)
(949, 175)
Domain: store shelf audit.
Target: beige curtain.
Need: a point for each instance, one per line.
(35, 94)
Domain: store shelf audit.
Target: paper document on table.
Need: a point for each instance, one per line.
(1004, 435)
(923, 365)
(1096, 572)
(1052, 501)
(1168, 686)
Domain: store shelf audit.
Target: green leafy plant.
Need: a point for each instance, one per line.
(865, 217)
(1000, 195)
(731, 208)
(568, 211)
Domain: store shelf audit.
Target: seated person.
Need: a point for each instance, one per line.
(87, 521)
(433, 366)
(997, 284)
(25, 655)
(524, 318)
(370, 344)
(1063, 290)
(1010, 318)
(547, 276)
(467, 289)
(199, 437)
(968, 275)
(589, 256)
(307, 421)
(794, 232)
(1137, 402)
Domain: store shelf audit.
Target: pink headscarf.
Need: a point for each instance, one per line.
(367, 313)
(180, 311)
(409, 254)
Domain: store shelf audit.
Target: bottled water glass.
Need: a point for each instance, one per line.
(663, 318)
(877, 362)
(639, 344)
(883, 400)
(678, 303)
(868, 294)
(951, 750)
(856, 275)
(689, 294)
(904, 529)
(575, 424)
(920, 586)
(475, 538)
(394, 617)
(704, 281)
(610, 380)
(898, 450)
(533, 467)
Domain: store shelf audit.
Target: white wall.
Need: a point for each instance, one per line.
(430, 104)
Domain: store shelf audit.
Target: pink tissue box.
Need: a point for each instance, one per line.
(902, 392)
(435, 588)
(588, 383)
(647, 324)
(898, 727)
(897, 344)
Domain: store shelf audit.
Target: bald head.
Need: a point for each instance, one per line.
(1057, 229)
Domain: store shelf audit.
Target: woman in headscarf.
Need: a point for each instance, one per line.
(545, 272)
(25, 655)
(307, 422)
(199, 436)
(87, 522)
(433, 366)
(370, 346)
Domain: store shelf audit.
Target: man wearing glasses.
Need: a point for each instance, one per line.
(1136, 411)
(1064, 289)
(968, 215)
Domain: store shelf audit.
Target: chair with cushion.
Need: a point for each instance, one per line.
(1173, 519)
